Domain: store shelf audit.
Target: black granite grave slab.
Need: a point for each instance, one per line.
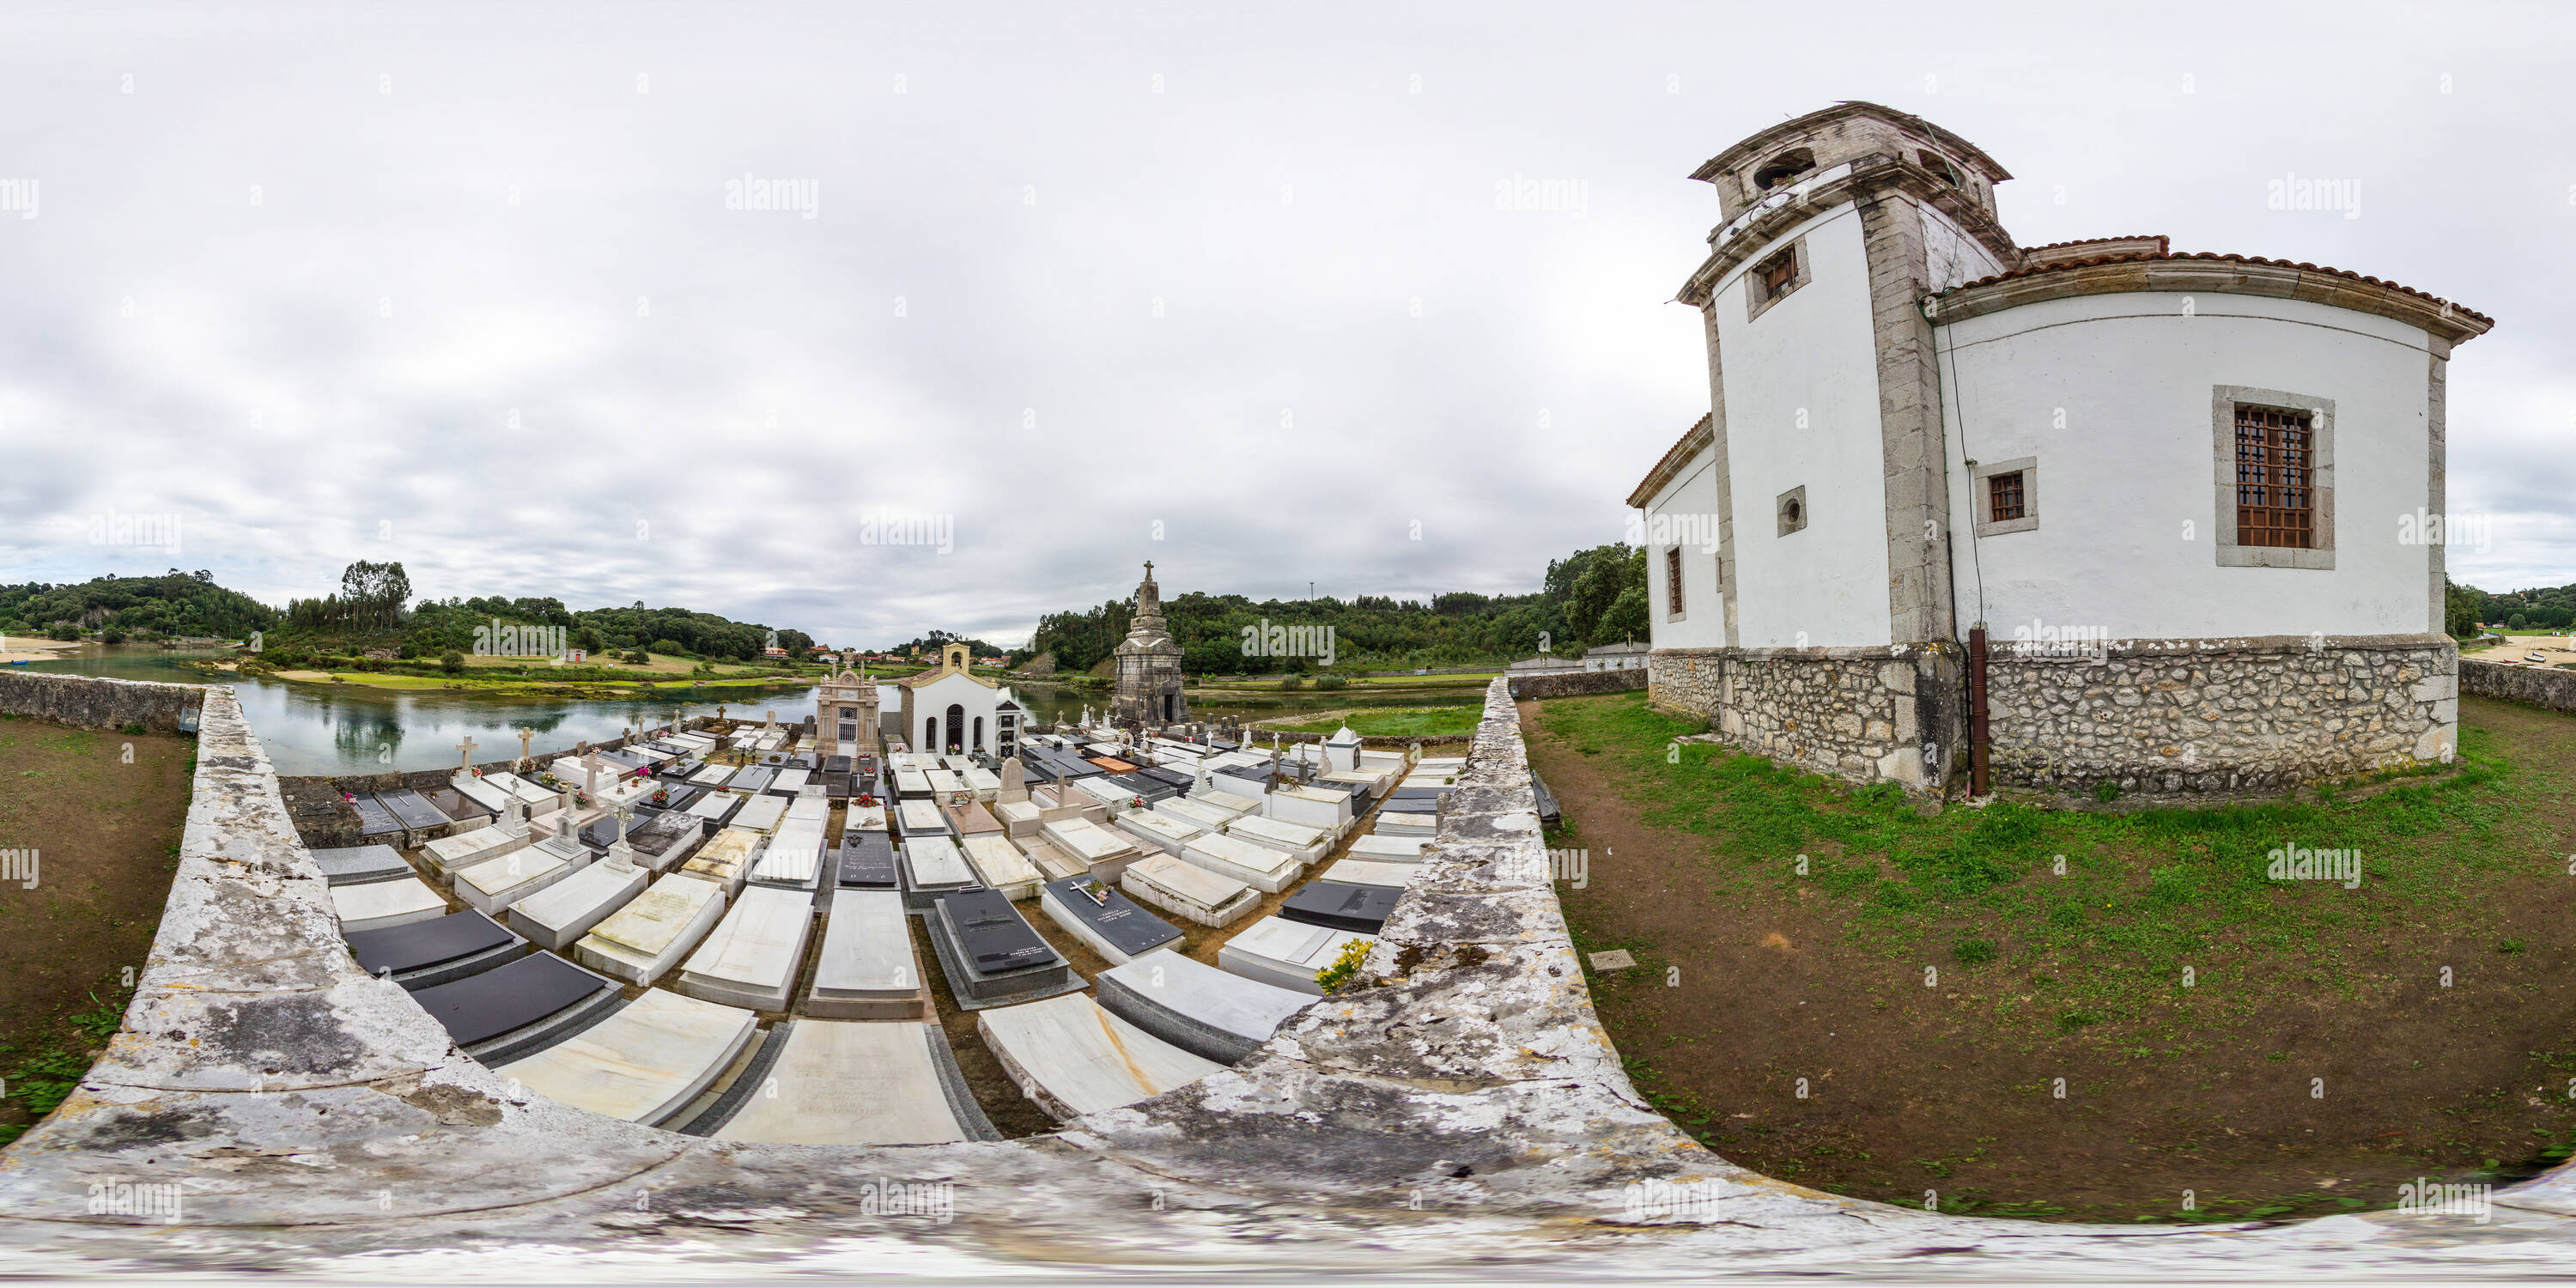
(601, 832)
(802, 760)
(682, 767)
(1112, 916)
(867, 861)
(1171, 778)
(1138, 784)
(673, 795)
(838, 765)
(455, 804)
(991, 955)
(1337, 905)
(411, 810)
(511, 1010)
(441, 950)
(374, 819)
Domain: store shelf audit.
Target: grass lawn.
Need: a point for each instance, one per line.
(103, 813)
(1963, 963)
(1392, 722)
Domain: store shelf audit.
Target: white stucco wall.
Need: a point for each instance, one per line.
(2136, 462)
(1950, 256)
(1702, 623)
(1808, 356)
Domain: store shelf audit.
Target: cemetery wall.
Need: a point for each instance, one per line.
(2550, 688)
(271, 1106)
(1566, 684)
(2199, 717)
(96, 702)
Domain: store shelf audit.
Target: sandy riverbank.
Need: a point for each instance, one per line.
(29, 648)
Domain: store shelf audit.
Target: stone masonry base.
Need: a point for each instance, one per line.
(2180, 717)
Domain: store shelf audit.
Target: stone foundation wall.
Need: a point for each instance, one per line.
(97, 702)
(2222, 716)
(1866, 715)
(1567, 684)
(2550, 688)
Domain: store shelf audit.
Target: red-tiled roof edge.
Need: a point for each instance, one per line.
(2088, 241)
(1671, 456)
(2061, 265)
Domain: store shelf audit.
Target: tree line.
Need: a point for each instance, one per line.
(1591, 597)
(177, 604)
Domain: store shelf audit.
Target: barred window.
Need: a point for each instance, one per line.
(2003, 494)
(1673, 579)
(2275, 496)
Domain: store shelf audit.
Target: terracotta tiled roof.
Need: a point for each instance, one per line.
(1672, 456)
(2059, 266)
(2087, 241)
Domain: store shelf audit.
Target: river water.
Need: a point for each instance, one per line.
(352, 729)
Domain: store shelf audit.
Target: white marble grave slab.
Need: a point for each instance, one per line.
(1289, 954)
(558, 915)
(725, 860)
(1104, 852)
(379, 904)
(1407, 825)
(1226, 1010)
(490, 887)
(759, 814)
(1373, 872)
(643, 1064)
(868, 968)
(752, 958)
(450, 853)
(1188, 891)
(1388, 849)
(1157, 831)
(1000, 865)
(643, 940)
(1267, 870)
(851, 1084)
(1073, 1058)
(1305, 844)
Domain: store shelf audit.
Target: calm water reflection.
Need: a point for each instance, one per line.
(313, 729)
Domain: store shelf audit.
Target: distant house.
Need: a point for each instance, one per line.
(773, 651)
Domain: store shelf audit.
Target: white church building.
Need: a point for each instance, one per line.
(2183, 494)
(951, 706)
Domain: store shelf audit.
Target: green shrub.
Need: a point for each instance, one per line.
(409, 649)
(452, 662)
(1293, 682)
(2106, 791)
(1332, 682)
(1973, 952)
(111, 635)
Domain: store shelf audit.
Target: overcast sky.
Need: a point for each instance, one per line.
(460, 285)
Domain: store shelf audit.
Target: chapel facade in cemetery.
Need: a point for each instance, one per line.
(951, 707)
(2186, 493)
(1148, 692)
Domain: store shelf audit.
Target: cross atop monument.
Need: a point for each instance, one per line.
(1149, 569)
(465, 750)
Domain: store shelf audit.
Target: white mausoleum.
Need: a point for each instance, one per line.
(2187, 494)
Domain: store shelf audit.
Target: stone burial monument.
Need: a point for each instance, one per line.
(1148, 693)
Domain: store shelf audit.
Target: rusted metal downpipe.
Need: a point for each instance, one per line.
(1977, 709)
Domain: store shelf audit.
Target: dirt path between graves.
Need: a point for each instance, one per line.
(1913, 1094)
(105, 832)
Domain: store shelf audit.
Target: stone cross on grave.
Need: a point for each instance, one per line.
(563, 817)
(514, 816)
(590, 781)
(771, 722)
(525, 733)
(465, 750)
(621, 856)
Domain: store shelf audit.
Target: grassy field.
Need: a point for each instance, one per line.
(103, 814)
(2144, 959)
(1391, 722)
